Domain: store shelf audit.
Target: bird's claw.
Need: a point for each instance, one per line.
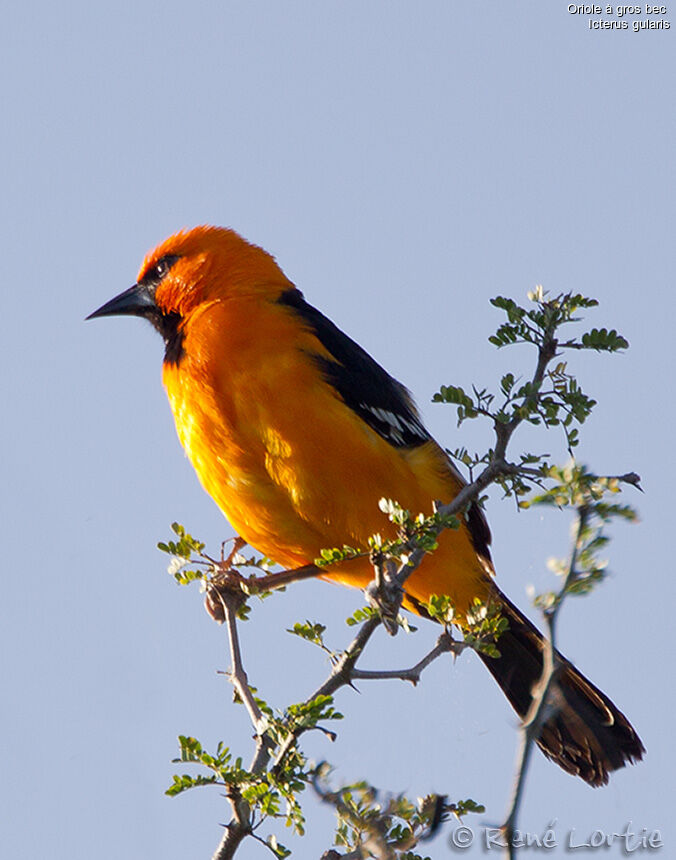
(385, 596)
(229, 585)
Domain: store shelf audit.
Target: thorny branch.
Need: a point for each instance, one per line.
(241, 825)
(225, 596)
(388, 588)
(387, 584)
(375, 841)
(540, 707)
(238, 674)
(445, 643)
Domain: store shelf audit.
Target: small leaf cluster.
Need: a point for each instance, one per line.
(440, 608)
(224, 771)
(559, 405)
(483, 627)
(557, 401)
(265, 791)
(262, 704)
(374, 824)
(464, 807)
(307, 715)
(260, 562)
(291, 773)
(187, 550)
(336, 555)
(311, 632)
(603, 340)
(553, 397)
(413, 532)
(361, 615)
(577, 488)
(468, 407)
(564, 404)
(534, 325)
(183, 551)
(574, 486)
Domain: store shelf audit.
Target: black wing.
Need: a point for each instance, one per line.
(376, 397)
(379, 400)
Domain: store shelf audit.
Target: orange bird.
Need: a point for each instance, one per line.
(296, 433)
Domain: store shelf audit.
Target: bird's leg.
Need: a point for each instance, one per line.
(238, 543)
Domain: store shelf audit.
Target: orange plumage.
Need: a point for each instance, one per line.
(296, 433)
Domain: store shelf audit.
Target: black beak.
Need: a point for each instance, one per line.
(138, 301)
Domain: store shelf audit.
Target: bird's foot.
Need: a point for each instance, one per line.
(228, 581)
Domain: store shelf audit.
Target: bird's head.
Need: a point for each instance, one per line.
(192, 269)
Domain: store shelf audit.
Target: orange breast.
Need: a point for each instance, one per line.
(290, 465)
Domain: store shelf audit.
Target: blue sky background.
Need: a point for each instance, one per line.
(405, 162)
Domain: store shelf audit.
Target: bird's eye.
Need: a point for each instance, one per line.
(156, 273)
(162, 266)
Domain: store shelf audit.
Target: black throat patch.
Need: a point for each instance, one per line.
(168, 326)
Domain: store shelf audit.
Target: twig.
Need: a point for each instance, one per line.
(375, 842)
(238, 676)
(497, 467)
(388, 592)
(539, 710)
(445, 643)
(228, 580)
(341, 675)
(241, 824)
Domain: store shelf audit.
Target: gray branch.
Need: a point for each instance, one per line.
(445, 644)
(386, 591)
(540, 709)
(241, 824)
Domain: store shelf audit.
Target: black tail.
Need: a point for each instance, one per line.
(586, 735)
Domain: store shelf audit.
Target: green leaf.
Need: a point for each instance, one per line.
(312, 632)
(361, 615)
(453, 394)
(602, 339)
(280, 850)
(184, 782)
(336, 555)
